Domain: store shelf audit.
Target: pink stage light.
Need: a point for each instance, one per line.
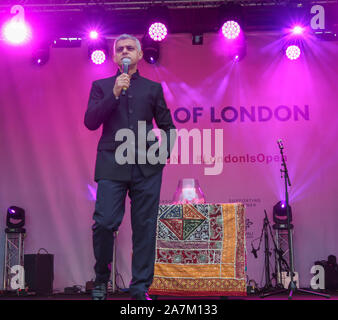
(16, 33)
(231, 29)
(297, 30)
(292, 52)
(158, 31)
(98, 56)
(93, 35)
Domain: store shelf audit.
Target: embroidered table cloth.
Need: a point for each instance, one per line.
(200, 250)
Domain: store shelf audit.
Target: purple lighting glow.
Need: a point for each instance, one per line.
(231, 29)
(158, 31)
(292, 52)
(93, 35)
(98, 57)
(283, 204)
(297, 30)
(16, 33)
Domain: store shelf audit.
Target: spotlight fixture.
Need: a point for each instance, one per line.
(151, 49)
(98, 51)
(280, 213)
(297, 30)
(93, 35)
(98, 56)
(158, 22)
(231, 29)
(230, 23)
(292, 52)
(293, 41)
(158, 31)
(15, 218)
(41, 54)
(230, 20)
(237, 51)
(16, 31)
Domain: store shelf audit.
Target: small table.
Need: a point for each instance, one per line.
(200, 250)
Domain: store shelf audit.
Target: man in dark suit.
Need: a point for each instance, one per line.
(125, 103)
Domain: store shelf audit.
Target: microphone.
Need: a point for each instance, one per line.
(280, 144)
(125, 67)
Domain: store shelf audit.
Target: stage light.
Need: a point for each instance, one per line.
(93, 35)
(237, 51)
(98, 51)
(230, 18)
(158, 31)
(297, 30)
(16, 33)
(292, 52)
(98, 56)
(231, 29)
(280, 213)
(151, 49)
(41, 54)
(15, 217)
(158, 22)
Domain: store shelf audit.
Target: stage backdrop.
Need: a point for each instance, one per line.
(48, 156)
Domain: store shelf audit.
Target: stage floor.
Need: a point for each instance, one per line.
(126, 296)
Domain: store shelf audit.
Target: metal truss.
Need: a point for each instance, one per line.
(78, 5)
(282, 243)
(129, 16)
(14, 256)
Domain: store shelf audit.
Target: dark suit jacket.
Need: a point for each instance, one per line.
(143, 101)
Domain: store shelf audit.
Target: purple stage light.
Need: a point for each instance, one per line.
(16, 33)
(98, 56)
(231, 29)
(292, 52)
(93, 35)
(297, 30)
(158, 31)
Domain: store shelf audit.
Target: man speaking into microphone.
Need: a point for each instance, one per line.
(120, 102)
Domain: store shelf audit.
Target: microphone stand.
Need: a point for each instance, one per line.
(292, 286)
(267, 254)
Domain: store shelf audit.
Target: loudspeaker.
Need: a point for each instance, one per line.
(39, 273)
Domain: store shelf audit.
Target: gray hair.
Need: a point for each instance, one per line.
(128, 36)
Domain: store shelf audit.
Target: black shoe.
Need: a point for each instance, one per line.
(99, 292)
(140, 296)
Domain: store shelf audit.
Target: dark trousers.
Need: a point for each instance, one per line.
(144, 194)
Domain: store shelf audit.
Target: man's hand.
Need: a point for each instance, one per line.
(122, 81)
